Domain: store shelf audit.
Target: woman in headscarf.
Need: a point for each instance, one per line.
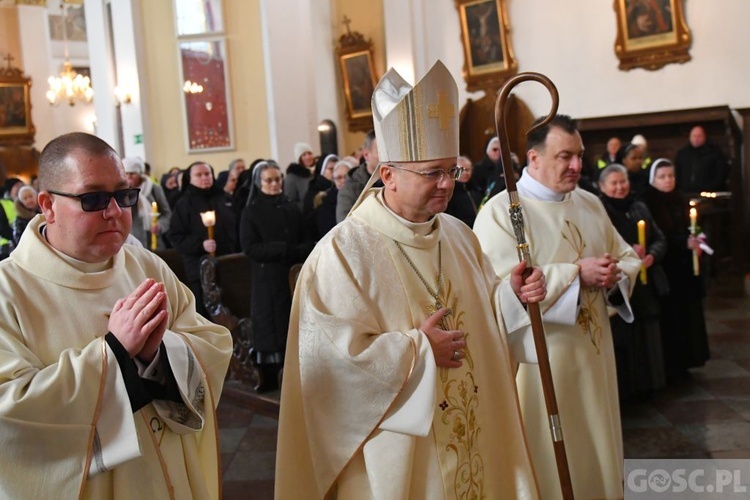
(638, 348)
(321, 181)
(327, 212)
(186, 230)
(683, 325)
(299, 173)
(272, 236)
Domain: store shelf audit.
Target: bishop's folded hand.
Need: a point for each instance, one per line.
(447, 345)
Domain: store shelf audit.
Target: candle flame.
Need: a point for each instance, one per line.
(208, 218)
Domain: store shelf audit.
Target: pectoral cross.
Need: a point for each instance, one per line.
(442, 110)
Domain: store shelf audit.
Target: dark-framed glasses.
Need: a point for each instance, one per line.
(435, 175)
(99, 200)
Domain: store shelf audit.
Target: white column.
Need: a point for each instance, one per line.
(102, 70)
(289, 59)
(127, 47)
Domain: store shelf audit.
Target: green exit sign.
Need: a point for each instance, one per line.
(138, 138)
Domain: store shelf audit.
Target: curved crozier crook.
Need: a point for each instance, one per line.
(500, 118)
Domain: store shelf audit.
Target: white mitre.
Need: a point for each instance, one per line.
(417, 123)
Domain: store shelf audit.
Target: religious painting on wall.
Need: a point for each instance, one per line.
(359, 82)
(355, 55)
(15, 108)
(205, 90)
(651, 33)
(488, 54)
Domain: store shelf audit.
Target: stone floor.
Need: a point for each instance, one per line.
(705, 417)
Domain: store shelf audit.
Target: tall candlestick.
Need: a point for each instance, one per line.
(209, 220)
(154, 226)
(642, 243)
(693, 231)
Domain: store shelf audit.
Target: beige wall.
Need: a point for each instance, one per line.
(164, 114)
(367, 18)
(9, 36)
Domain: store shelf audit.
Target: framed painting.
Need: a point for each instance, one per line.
(205, 89)
(651, 33)
(15, 109)
(488, 55)
(358, 73)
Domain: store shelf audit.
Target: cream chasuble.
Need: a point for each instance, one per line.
(355, 358)
(560, 233)
(60, 416)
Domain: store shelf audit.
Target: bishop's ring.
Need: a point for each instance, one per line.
(456, 354)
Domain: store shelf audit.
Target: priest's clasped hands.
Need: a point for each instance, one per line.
(599, 271)
(448, 345)
(140, 320)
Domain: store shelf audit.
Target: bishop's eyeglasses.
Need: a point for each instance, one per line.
(434, 175)
(99, 200)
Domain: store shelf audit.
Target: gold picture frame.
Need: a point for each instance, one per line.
(16, 126)
(651, 33)
(488, 54)
(358, 72)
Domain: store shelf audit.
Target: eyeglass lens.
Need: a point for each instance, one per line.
(99, 200)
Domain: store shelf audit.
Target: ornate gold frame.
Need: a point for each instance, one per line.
(651, 50)
(354, 51)
(13, 82)
(488, 57)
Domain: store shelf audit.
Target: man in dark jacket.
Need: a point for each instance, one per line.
(700, 165)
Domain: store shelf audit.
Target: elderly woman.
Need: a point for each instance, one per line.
(638, 348)
(683, 326)
(466, 195)
(272, 235)
(327, 212)
(26, 209)
(299, 173)
(321, 181)
(187, 233)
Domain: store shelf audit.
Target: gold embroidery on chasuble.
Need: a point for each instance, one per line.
(456, 421)
(588, 322)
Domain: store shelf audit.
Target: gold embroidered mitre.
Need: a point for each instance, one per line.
(417, 123)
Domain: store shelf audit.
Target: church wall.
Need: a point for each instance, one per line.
(574, 46)
(367, 18)
(10, 41)
(163, 83)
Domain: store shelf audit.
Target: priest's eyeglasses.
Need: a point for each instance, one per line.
(99, 200)
(435, 175)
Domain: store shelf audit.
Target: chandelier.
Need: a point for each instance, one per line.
(69, 86)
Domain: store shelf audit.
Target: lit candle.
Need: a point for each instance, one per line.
(693, 231)
(642, 243)
(209, 220)
(154, 227)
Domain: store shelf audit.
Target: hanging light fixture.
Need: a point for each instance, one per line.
(69, 86)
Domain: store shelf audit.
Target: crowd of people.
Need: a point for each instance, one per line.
(406, 347)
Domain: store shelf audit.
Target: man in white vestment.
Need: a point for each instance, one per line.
(108, 378)
(398, 380)
(588, 266)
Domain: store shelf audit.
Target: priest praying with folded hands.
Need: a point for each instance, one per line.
(109, 379)
(398, 380)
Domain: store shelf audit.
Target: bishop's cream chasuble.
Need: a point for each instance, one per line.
(66, 426)
(356, 359)
(560, 233)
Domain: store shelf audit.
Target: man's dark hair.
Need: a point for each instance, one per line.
(538, 137)
(369, 138)
(52, 161)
